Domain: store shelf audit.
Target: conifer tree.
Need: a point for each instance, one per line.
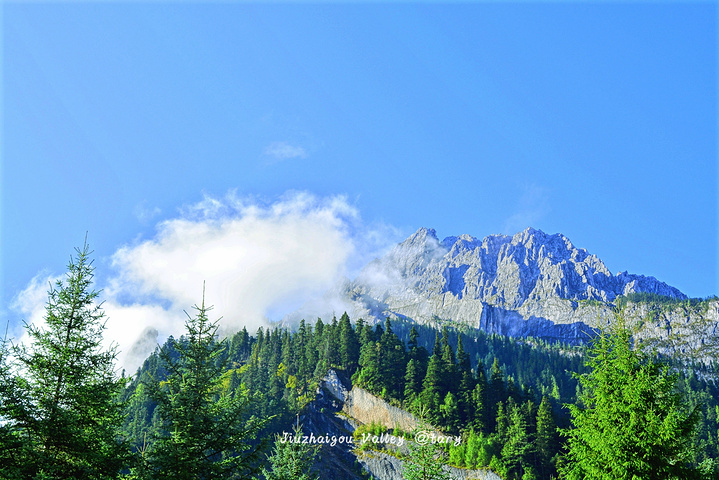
(517, 447)
(412, 381)
(431, 395)
(393, 362)
(425, 462)
(480, 415)
(466, 384)
(349, 345)
(58, 395)
(291, 460)
(450, 376)
(496, 391)
(206, 435)
(632, 423)
(417, 352)
(546, 440)
(450, 414)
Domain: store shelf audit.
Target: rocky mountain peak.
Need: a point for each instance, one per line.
(527, 276)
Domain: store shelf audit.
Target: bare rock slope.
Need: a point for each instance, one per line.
(529, 284)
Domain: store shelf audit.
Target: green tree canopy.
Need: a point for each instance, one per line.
(58, 394)
(426, 460)
(206, 435)
(632, 423)
(291, 459)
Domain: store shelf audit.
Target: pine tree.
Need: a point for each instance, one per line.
(291, 460)
(450, 413)
(349, 345)
(480, 415)
(431, 395)
(393, 362)
(59, 394)
(633, 422)
(206, 435)
(517, 448)
(369, 375)
(417, 352)
(466, 384)
(425, 462)
(450, 375)
(13, 451)
(412, 381)
(546, 441)
(496, 391)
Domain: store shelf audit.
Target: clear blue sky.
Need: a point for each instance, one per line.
(595, 120)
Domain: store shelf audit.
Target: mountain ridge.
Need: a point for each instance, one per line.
(528, 284)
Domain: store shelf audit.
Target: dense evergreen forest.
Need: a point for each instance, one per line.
(202, 407)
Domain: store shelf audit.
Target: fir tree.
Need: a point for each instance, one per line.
(432, 388)
(546, 440)
(450, 414)
(466, 384)
(633, 422)
(412, 381)
(291, 460)
(349, 345)
(58, 396)
(496, 391)
(393, 362)
(206, 435)
(425, 462)
(517, 447)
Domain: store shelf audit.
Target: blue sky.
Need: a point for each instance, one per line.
(595, 120)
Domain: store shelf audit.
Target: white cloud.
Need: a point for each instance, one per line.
(284, 151)
(259, 260)
(30, 303)
(256, 260)
(135, 329)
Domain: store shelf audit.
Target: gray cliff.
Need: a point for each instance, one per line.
(529, 284)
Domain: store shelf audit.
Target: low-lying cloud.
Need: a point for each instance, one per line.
(251, 256)
(258, 261)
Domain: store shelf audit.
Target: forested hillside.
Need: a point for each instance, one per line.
(504, 396)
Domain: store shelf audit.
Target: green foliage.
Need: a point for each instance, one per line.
(664, 301)
(502, 422)
(546, 439)
(205, 434)
(291, 460)
(349, 345)
(425, 462)
(58, 395)
(632, 423)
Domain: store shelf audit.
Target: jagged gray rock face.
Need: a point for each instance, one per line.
(531, 283)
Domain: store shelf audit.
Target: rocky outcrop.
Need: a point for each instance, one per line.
(366, 408)
(338, 410)
(529, 284)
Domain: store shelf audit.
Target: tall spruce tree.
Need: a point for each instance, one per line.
(633, 423)
(58, 394)
(546, 440)
(291, 459)
(205, 433)
(349, 345)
